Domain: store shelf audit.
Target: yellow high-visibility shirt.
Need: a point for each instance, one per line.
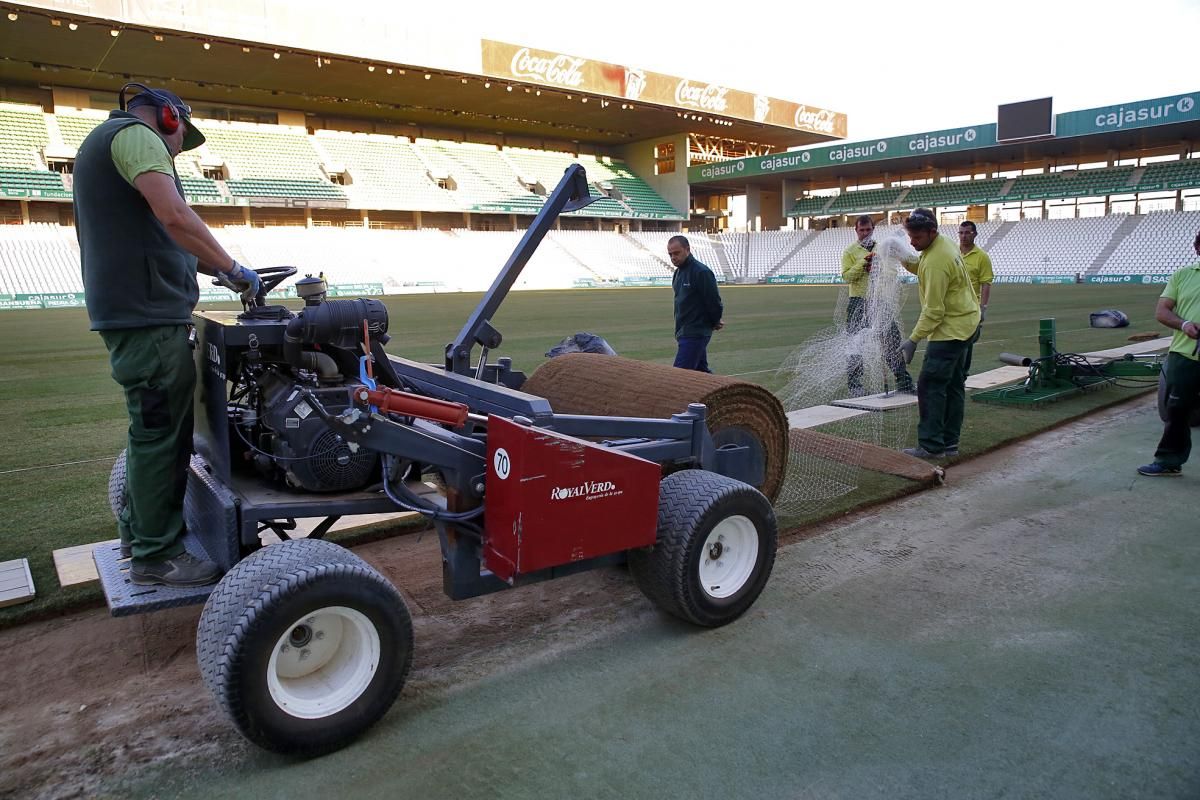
(853, 273)
(949, 308)
(979, 267)
(1184, 289)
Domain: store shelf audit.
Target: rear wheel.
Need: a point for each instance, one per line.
(715, 549)
(304, 646)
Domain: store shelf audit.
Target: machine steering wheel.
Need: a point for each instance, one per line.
(271, 277)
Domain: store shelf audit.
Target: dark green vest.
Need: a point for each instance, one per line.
(134, 275)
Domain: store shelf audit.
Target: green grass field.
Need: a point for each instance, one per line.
(58, 404)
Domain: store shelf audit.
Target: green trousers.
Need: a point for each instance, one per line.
(154, 366)
(1183, 395)
(942, 394)
(971, 348)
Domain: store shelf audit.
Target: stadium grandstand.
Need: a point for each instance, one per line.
(394, 177)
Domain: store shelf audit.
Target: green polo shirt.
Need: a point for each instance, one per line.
(949, 307)
(854, 261)
(979, 267)
(136, 150)
(1184, 289)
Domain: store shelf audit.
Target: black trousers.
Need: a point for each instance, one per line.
(1183, 395)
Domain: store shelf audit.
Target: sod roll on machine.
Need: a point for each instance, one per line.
(594, 460)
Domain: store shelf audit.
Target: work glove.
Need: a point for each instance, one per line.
(243, 280)
(982, 314)
(908, 350)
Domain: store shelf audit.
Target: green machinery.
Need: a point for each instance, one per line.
(1054, 376)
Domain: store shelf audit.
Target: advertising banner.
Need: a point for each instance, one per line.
(1160, 278)
(945, 141)
(562, 71)
(1140, 114)
(355, 289)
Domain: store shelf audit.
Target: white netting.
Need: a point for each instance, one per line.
(859, 355)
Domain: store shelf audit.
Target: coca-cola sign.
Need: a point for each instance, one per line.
(706, 97)
(820, 120)
(558, 69)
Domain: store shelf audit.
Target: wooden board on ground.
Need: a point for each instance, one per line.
(821, 415)
(873, 457)
(75, 565)
(878, 402)
(305, 526)
(1135, 349)
(16, 583)
(996, 377)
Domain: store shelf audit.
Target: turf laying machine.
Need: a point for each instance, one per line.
(594, 460)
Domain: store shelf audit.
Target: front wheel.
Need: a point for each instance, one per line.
(715, 549)
(304, 646)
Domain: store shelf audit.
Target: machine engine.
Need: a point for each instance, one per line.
(310, 455)
(283, 435)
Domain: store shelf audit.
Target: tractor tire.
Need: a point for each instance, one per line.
(305, 600)
(715, 549)
(116, 486)
(1193, 421)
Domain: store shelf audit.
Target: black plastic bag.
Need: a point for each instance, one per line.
(1109, 318)
(581, 343)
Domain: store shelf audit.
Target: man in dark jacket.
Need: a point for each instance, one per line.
(140, 246)
(698, 306)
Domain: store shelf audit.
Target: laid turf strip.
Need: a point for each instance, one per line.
(586, 383)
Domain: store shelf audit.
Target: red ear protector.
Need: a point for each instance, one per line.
(168, 117)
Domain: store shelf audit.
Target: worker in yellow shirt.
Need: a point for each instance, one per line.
(979, 267)
(856, 272)
(949, 318)
(1179, 308)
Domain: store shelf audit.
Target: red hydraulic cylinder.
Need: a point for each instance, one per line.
(413, 405)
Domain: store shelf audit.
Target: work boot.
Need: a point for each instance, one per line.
(858, 391)
(951, 451)
(921, 452)
(182, 571)
(126, 549)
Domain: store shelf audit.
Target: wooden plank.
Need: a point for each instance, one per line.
(821, 415)
(17, 583)
(75, 565)
(878, 402)
(1135, 349)
(996, 377)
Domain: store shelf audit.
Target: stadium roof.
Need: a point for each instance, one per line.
(1089, 135)
(39, 47)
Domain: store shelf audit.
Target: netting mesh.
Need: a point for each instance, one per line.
(857, 356)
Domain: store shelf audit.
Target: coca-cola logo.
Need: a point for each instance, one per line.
(819, 120)
(560, 70)
(709, 97)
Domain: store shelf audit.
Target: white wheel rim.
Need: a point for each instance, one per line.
(323, 662)
(728, 558)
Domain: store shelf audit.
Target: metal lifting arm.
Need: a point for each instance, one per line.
(571, 194)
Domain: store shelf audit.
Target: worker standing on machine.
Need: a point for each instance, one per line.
(1179, 308)
(140, 246)
(856, 272)
(979, 267)
(698, 306)
(949, 319)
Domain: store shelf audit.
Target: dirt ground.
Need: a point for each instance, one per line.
(88, 700)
